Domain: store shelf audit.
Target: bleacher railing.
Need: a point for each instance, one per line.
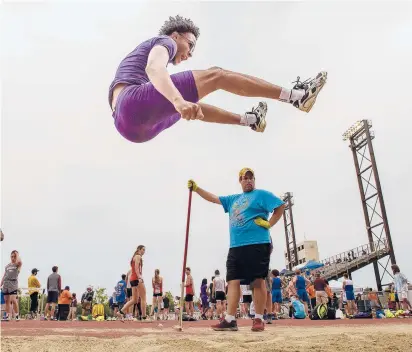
(347, 261)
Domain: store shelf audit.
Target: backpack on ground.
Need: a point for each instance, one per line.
(331, 314)
(363, 315)
(320, 312)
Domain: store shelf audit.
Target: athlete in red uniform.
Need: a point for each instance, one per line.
(136, 282)
(190, 292)
(157, 284)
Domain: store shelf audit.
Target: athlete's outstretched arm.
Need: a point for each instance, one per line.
(159, 76)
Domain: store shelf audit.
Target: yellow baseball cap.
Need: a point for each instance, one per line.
(245, 170)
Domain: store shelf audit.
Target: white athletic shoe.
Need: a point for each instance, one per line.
(311, 88)
(260, 113)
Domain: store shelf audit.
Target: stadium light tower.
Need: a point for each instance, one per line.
(360, 139)
(291, 250)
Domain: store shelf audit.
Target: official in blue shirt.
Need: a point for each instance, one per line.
(250, 243)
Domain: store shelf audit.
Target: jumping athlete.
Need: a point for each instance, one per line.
(146, 100)
(249, 226)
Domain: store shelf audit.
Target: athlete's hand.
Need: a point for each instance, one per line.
(188, 110)
(192, 185)
(263, 223)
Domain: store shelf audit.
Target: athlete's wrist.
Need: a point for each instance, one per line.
(178, 99)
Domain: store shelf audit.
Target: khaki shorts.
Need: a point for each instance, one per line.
(321, 297)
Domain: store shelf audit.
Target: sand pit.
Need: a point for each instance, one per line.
(350, 336)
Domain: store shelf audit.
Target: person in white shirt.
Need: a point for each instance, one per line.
(401, 287)
(219, 290)
(246, 298)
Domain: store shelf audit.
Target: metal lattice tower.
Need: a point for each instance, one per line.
(291, 250)
(360, 139)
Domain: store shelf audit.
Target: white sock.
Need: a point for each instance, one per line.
(259, 316)
(247, 119)
(291, 95)
(229, 318)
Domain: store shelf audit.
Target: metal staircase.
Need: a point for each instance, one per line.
(354, 259)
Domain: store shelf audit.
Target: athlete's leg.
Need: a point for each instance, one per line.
(217, 115)
(159, 305)
(142, 293)
(303, 95)
(233, 296)
(152, 312)
(218, 307)
(215, 78)
(260, 294)
(7, 298)
(132, 301)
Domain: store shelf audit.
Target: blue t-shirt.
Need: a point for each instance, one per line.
(299, 312)
(120, 288)
(243, 209)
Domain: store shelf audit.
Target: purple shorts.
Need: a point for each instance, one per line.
(141, 112)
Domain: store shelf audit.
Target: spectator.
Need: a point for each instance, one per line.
(401, 287)
(73, 308)
(335, 301)
(166, 305)
(10, 285)
(34, 285)
(86, 301)
(64, 303)
(54, 284)
(320, 288)
(121, 292)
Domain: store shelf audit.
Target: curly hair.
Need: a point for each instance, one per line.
(180, 25)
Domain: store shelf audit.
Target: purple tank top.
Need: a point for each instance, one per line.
(132, 69)
(203, 289)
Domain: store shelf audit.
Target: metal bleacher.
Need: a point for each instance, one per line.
(352, 260)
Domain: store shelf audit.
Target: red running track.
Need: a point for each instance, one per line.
(113, 329)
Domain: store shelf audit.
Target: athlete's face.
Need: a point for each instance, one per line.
(186, 43)
(247, 182)
(143, 251)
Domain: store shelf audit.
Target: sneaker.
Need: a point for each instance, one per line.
(258, 325)
(223, 325)
(260, 113)
(311, 87)
(121, 316)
